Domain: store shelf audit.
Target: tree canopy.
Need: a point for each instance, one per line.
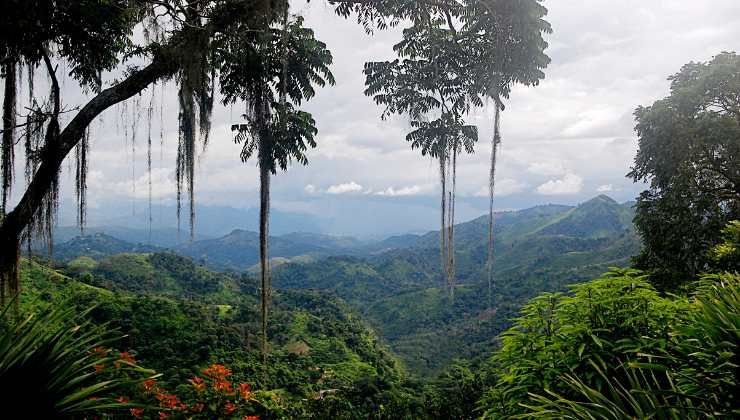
(689, 154)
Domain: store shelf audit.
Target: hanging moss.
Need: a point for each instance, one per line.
(136, 115)
(81, 164)
(7, 149)
(149, 114)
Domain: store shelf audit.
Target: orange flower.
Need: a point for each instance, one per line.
(168, 400)
(198, 384)
(122, 399)
(125, 357)
(136, 412)
(98, 368)
(244, 391)
(197, 408)
(229, 408)
(163, 415)
(149, 385)
(223, 386)
(251, 418)
(216, 371)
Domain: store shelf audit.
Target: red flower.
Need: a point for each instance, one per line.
(251, 418)
(122, 399)
(229, 408)
(197, 408)
(98, 368)
(127, 357)
(163, 415)
(136, 412)
(198, 384)
(149, 385)
(216, 371)
(223, 386)
(244, 391)
(168, 400)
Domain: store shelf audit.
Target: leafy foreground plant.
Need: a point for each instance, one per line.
(642, 395)
(55, 365)
(560, 334)
(696, 377)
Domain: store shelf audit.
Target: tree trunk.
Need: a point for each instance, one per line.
(9, 256)
(264, 256)
(165, 63)
(491, 185)
(53, 155)
(443, 222)
(7, 151)
(451, 234)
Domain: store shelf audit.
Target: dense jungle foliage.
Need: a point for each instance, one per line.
(418, 326)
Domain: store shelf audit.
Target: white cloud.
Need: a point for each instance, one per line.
(163, 184)
(503, 188)
(405, 191)
(569, 184)
(310, 189)
(345, 188)
(548, 167)
(605, 188)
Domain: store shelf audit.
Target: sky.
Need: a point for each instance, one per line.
(564, 141)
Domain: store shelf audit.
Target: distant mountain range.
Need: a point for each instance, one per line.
(211, 222)
(239, 250)
(593, 223)
(396, 283)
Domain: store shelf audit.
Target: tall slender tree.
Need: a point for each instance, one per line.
(505, 40)
(454, 55)
(272, 71)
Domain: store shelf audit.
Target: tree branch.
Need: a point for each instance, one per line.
(166, 62)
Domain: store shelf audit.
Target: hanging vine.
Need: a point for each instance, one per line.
(495, 142)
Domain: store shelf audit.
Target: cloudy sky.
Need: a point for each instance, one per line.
(565, 141)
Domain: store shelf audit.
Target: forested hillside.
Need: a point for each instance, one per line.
(179, 318)
(395, 283)
(399, 289)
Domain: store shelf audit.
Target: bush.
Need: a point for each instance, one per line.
(605, 320)
(692, 375)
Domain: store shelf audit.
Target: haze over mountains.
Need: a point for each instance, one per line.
(237, 249)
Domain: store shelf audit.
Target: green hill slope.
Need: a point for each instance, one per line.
(541, 249)
(180, 317)
(239, 250)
